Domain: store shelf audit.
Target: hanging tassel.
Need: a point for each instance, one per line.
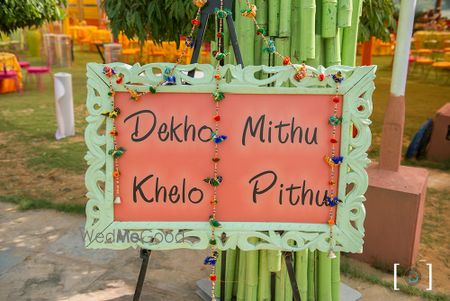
(331, 254)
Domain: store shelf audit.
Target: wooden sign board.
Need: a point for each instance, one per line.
(275, 180)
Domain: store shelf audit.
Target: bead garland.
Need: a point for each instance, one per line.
(216, 138)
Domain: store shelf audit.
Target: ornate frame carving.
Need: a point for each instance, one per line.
(348, 232)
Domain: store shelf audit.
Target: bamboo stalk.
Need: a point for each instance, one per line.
(240, 295)
(274, 13)
(283, 46)
(308, 29)
(280, 282)
(333, 50)
(324, 277)
(251, 273)
(351, 35)
(246, 35)
(329, 16)
(274, 260)
(296, 39)
(237, 277)
(261, 57)
(263, 277)
(344, 15)
(288, 294)
(285, 18)
(218, 275)
(311, 276)
(301, 272)
(335, 277)
(230, 274)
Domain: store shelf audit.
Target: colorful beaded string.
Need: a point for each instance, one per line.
(216, 180)
(333, 162)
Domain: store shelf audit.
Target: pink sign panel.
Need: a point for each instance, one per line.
(272, 163)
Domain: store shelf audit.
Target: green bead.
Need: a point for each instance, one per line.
(152, 89)
(213, 242)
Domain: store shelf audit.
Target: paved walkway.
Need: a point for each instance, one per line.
(42, 257)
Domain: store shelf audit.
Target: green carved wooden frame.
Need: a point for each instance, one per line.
(348, 232)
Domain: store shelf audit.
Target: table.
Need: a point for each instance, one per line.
(10, 61)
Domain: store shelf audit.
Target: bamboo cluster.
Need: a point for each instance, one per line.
(315, 32)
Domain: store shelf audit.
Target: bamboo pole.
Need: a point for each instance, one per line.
(230, 274)
(274, 260)
(329, 16)
(241, 286)
(301, 272)
(324, 277)
(351, 35)
(311, 276)
(280, 282)
(333, 49)
(236, 273)
(251, 273)
(218, 275)
(283, 46)
(261, 57)
(288, 294)
(335, 277)
(308, 29)
(274, 13)
(318, 56)
(285, 18)
(344, 15)
(263, 277)
(246, 35)
(295, 32)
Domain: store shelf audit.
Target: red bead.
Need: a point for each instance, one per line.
(336, 99)
(216, 159)
(286, 60)
(119, 80)
(217, 117)
(330, 222)
(331, 182)
(360, 108)
(217, 76)
(333, 140)
(219, 35)
(212, 277)
(195, 22)
(321, 76)
(298, 76)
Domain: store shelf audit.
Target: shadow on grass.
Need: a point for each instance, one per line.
(27, 203)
